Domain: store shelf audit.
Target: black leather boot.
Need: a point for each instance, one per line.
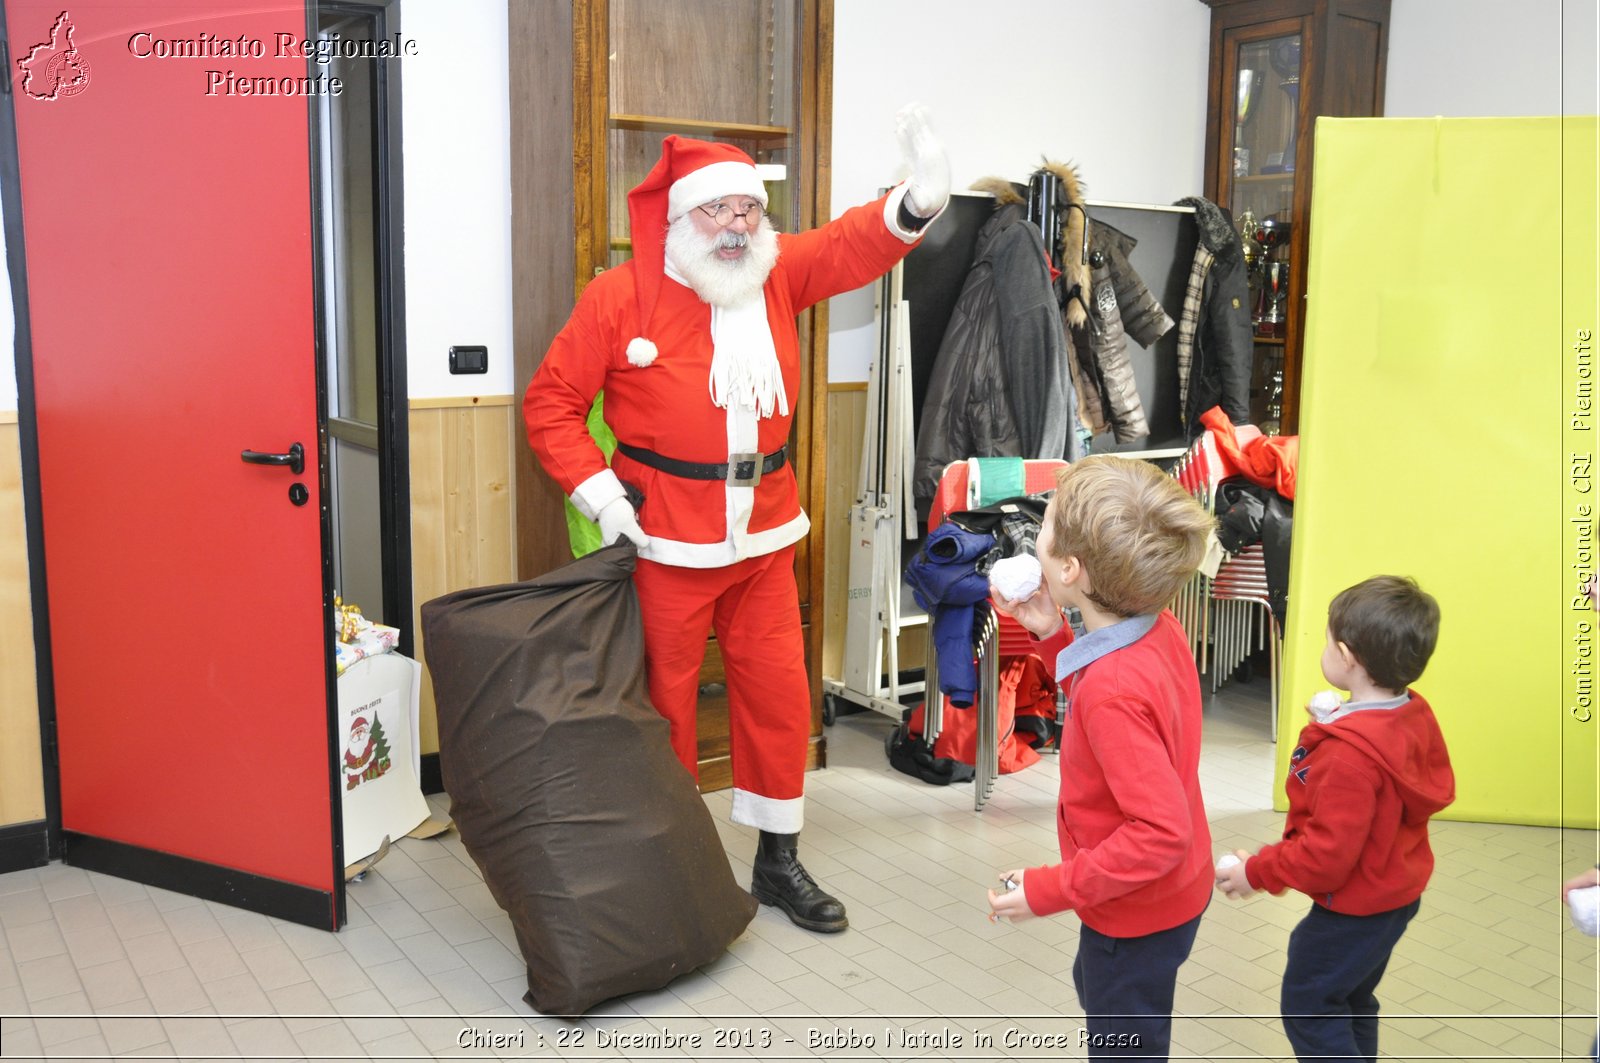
(779, 880)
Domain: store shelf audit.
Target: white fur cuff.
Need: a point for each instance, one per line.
(597, 492)
(891, 215)
(768, 813)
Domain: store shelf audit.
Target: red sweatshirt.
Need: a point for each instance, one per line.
(1361, 790)
(1135, 847)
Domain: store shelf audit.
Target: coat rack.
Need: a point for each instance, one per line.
(882, 518)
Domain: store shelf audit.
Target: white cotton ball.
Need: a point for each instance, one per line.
(1324, 703)
(1584, 904)
(1227, 860)
(1327, 700)
(1016, 578)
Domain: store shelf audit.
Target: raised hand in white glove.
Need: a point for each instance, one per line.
(617, 520)
(929, 185)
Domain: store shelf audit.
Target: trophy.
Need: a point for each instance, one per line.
(1285, 59)
(1244, 109)
(1274, 300)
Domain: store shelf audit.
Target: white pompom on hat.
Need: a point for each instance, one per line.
(690, 172)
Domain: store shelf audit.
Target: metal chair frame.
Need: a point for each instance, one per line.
(999, 637)
(1220, 615)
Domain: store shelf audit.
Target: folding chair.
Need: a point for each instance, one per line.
(1224, 615)
(968, 485)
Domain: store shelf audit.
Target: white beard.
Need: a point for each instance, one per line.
(744, 360)
(359, 745)
(715, 280)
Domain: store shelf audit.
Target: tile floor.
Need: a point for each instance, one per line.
(94, 967)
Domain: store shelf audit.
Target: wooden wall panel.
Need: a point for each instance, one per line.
(21, 763)
(554, 114)
(462, 519)
(847, 422)
(847, 418)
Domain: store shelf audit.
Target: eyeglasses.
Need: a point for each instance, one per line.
(723, 214)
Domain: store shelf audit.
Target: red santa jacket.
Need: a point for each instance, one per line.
(666, 406)
(1361, 790)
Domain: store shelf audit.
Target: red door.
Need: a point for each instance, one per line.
(167, 227)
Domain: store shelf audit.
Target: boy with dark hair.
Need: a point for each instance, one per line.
(1119, 540)
(1362, 783)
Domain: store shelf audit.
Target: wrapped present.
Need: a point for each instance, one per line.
(356, 637)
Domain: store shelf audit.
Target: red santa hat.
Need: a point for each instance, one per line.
(688, 174)
(358, 724)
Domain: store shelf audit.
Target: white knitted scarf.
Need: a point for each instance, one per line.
(744, 361)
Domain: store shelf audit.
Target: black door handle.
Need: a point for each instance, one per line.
(295, 459)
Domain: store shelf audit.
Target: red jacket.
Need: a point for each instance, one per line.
(666, 407)
(1270, 461)
(1135, 846)
(1361, 790)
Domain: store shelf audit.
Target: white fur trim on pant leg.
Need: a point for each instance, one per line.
(641, 352)
(597, 492)
(768, 813)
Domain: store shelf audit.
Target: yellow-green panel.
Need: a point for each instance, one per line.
(1445, 290)
(1581, 422)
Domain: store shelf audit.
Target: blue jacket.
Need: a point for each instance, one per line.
(949, 578)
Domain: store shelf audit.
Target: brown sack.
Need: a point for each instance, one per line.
(563, 783)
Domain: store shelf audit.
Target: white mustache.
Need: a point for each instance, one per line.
(730, 240)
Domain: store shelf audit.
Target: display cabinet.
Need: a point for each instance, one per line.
(1276, 66)
(755, 73)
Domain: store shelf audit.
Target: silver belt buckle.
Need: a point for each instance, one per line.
(744, 468)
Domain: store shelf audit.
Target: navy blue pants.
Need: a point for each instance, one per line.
(1335, 962)
(1125, 986)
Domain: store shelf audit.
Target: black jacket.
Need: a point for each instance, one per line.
(1004, 336)
(1223, 353)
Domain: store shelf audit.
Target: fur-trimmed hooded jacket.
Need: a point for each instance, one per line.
(1216, 345)
(999, 384)
(1120, 305)
(1104, 301)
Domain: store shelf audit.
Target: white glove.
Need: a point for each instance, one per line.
(618, 520)
(929, 185)
(1227, 860)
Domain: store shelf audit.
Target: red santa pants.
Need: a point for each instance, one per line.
(754, 607)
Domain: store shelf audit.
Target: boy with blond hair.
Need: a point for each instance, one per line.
(1119, 540)
(1364, 778)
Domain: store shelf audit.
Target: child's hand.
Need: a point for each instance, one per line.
(1589, 878)
(1232, 881)
(1009, 904)
(1038, 612)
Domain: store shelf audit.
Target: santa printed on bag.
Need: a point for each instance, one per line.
(366, 756)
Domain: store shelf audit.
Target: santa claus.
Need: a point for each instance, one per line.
(358, 754)
(694, 343)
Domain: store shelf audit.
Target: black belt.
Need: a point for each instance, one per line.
(740, 470)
